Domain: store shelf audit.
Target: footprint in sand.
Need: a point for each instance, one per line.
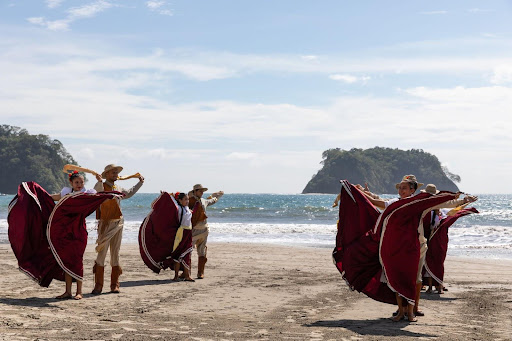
(316, 335)
(262, 332)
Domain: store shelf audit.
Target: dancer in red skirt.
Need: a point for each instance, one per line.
(165, 236)
(49, 244)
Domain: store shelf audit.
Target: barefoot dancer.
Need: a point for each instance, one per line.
(182, 243)
(438, 245)
(165, 236)
(49, 240)
(77, 186)
(406, 189)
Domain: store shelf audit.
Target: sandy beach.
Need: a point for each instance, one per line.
(252, 292)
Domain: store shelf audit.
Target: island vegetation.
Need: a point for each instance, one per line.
(381, 168)
(26, 157)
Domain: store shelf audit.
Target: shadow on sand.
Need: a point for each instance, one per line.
(382, 327)
(128, 284)
(40, 302)
(436, 297)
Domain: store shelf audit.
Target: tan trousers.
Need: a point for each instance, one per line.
(110, 233)
(199, 238)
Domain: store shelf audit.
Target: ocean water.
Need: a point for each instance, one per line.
(309, 220)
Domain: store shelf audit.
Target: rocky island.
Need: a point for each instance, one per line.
(381, 168)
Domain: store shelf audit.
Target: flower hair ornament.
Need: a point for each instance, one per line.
(72, 173)
(176, 195)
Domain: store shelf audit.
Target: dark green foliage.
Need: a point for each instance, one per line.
(25, 157)
(381, 168)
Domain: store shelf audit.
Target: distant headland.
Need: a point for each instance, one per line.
(26, 157)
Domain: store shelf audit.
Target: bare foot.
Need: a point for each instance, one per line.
(412, 318)
(78, 296)
(397, 318)
(188, 279)
(176, 279)
(64, 296)
(419, 313)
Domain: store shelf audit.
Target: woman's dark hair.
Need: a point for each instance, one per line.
(413, 185)
(178, 196)
(73, 175)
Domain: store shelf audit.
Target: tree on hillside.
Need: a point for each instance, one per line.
(26, 157)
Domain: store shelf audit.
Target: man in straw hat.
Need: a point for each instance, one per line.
(406, 189)
(110, 228)
(200, 229)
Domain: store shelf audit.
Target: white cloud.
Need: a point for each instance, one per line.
(74, 13)
(480, 10)
(167, 12)
(463, 95)
(346, 78)
(158, 6)
(54, 3)
(309, 57)
(349, 78)
(57, 25)
(36, 20)
(155, 4)
(502, 74)
(89, 10)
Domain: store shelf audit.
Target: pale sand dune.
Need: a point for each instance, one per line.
(255, 292)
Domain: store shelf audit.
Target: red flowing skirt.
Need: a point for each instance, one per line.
(157, 234)
(356, 254)
(67, 230)
(438, 246)
(49, 239)
(399, 245)
(28, 216)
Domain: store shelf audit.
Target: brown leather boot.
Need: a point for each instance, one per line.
(98, 272)
(200, 267)
(114, 279)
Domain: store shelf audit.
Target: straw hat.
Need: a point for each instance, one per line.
(199, 186)
(109, 168)
(409, 178)
(430, 188)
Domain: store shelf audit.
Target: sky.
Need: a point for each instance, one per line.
(244, 96)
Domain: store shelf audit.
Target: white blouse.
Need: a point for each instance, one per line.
(69, 190)
(186, 220)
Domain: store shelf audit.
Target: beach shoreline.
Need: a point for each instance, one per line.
(252, 291)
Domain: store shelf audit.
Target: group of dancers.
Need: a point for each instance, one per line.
(49, 239)
(386, 249)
